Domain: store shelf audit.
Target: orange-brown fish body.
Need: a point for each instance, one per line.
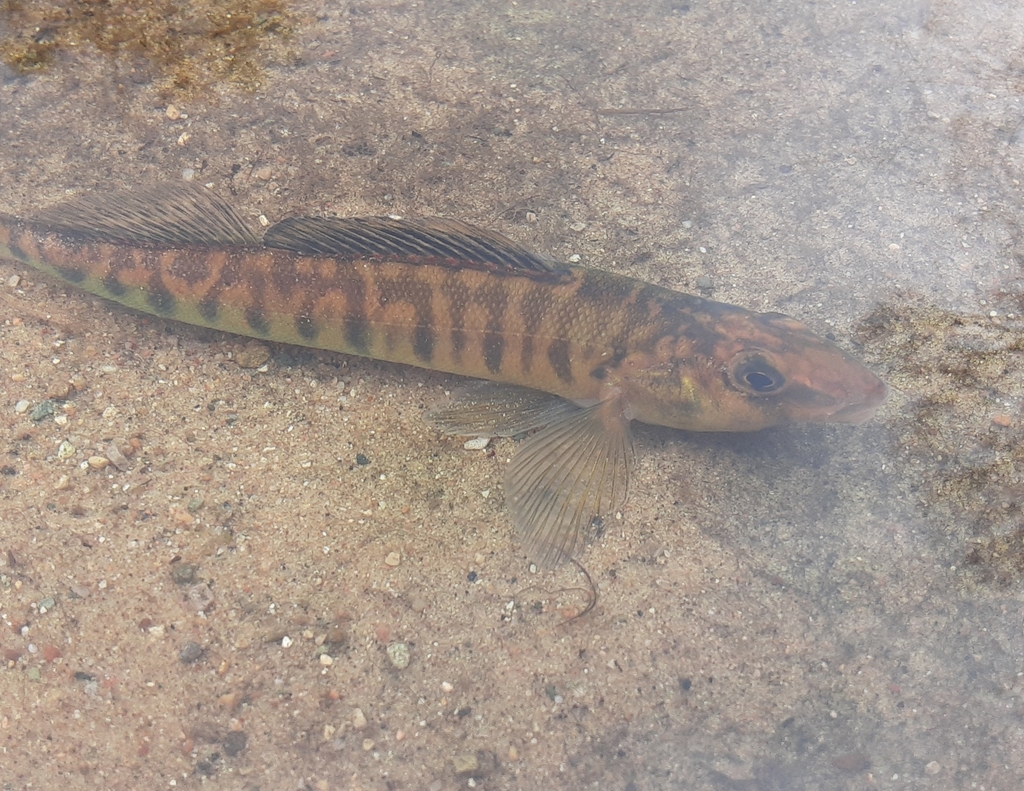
(443, 295)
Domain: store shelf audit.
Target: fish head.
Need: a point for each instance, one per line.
(728, 369)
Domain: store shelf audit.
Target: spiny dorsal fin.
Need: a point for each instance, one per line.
(165, 214)
(439, 241)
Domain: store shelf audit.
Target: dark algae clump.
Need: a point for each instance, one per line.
(183, 47)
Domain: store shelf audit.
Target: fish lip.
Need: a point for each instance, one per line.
(864, 410)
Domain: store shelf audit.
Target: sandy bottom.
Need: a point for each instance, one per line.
(243, 565)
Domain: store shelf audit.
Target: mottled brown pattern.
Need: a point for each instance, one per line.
(194, 267)
(585, 335)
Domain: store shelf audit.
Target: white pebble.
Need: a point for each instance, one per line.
(22, 407)
(476, 443)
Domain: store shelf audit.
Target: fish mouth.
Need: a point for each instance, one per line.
(865, 409)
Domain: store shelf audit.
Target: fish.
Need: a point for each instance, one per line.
(570, 355)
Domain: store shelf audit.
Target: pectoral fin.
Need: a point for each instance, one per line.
(487, 409)
(565, 477)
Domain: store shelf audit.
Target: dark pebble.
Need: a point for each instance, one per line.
(234, 742)
(362, 460)
(191, 652)
(43, 410)
(184, 573)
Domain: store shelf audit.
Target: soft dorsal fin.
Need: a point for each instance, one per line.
(165, 214)
(441, 241)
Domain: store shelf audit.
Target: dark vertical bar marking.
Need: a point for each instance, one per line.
(113, 285)
(306, 327)
(209, 307)
(158, 296)
(458, 295)
(357, 328)
(494, 299)
(558, 356)
(256, 320)
(533, 307)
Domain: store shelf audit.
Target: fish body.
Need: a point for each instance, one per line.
(580, 351)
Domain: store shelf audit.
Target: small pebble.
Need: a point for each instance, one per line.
(358, 719)
(59, 390)
(1003, 421)
(398, 654)
(932, 768)
(190, 653)
(578, 226)
(47, 604)
(446, 686)
(368, 744)
(393, 559)
(22, 407)
(13, 281)
(184, 573)
(43, 410)
(200, 597)
(476, 443)
(336, 637)
(326, 660)
(286, 642)
(253, 355)
(116, 457)
(465, 764)
(235, 742)
(98, 462)
(65, 450)
(172, 112)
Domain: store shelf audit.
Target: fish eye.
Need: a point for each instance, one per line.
(755, 375)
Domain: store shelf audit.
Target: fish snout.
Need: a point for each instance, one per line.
(862, 405)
